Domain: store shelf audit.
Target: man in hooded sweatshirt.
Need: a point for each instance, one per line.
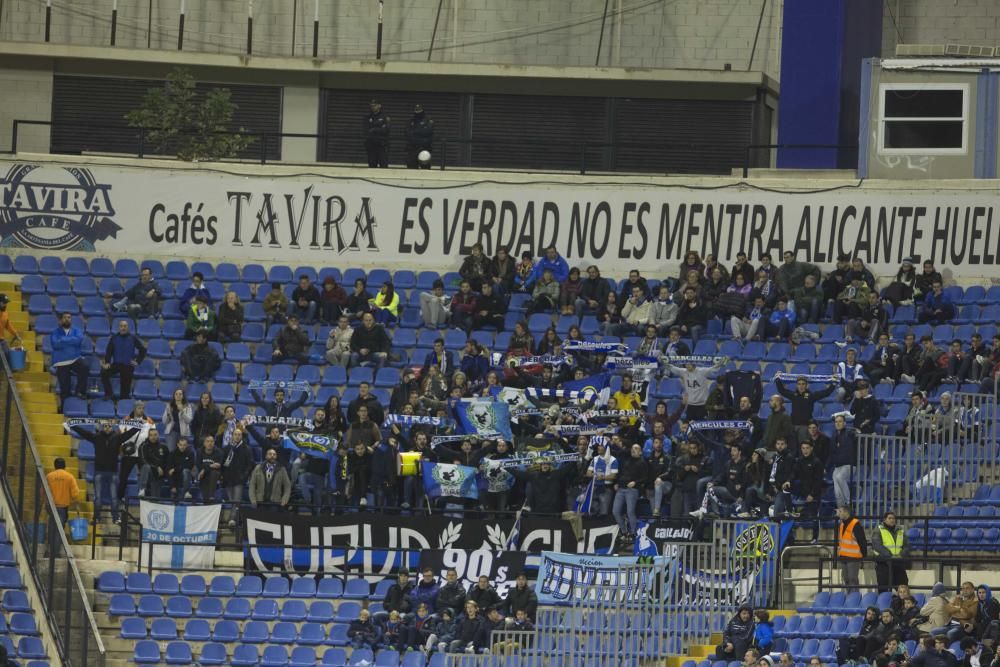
(935, 609)
(737, 637)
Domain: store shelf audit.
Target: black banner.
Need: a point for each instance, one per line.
(656, 534)
(502, 567)
(378, 545)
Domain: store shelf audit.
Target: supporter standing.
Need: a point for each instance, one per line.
(67, 357)
(419, 137)
(270, 487)
(124, 352)
(180, 468)
(377, 126)
(65, 491)
(891, 549)
(852, 547)
(107, 444)
(476, 268)
(236, 469)
(210, 460)
(177, 417)
(154, 456)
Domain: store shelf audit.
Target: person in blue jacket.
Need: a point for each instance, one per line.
(67, 357)
(781, 322)
(196, 289)
(937, 308)
(426, 591)
(553, 262)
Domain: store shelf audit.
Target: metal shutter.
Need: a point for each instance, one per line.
(536, 132)
(344, 113)
(82, 101)
(708, 137)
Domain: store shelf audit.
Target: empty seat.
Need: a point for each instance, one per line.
(255, 632)
(178, 653)
(179, 606)
(357, 589)
(274, 656)
(276, 587)
(264, 610)
(225, 632)
(320, 611)
(121, 604)
(283, 632)
(197, 630)
(133, 628)
(150, 605)
(111, 582)
(293, 610)
(138, 583)
(213, 654)
(209, 608)
(249, 586)
(312, 634)
(222, 586)
(245, 655)
(163, 629)
(237, 609)
(303, 587)
(305, 656)
(146, 652)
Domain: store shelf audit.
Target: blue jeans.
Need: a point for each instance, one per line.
(307, 314)
(312, 487)
(625, 500)
(810, 313)
(102, 480)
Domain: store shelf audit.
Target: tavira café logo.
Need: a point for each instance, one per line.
(54, 208)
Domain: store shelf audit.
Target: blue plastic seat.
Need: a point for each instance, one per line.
(16, 600)
(73, 266)
(347, 612)
(138, 583)
(208, 608)
(255, 632)
(146, 652)
(283, 632)
(197, 630)
(249, 586)
(237, 609)
(312, 634)
(101, 267)
(84, 286)
(305, 656)
(25, 264)
(133, 628)
(293, 611)
(274, 656)
(222, 586)
(264, 610)
(178, 653)
(121, 604)
(150, 605)
(226, 632)
(111, 582)
(163, 629)
(245, 655)
(179, 606)
(303, 587)
(177, 270)
(276, 587)
(213, 654)
(320, 611)
(338, 635)
(331, 588)
(357, 589)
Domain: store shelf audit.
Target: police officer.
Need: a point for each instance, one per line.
(419, 137)
(377, 136)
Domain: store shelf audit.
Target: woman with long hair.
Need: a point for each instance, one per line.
(229, 323)
(177, 417)
(385, 305)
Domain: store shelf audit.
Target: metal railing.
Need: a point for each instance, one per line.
(34, 517)
(580, 156)
(933, 461)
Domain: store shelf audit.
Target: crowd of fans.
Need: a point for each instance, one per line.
(430, 616)
(781, 465)
(948, 630)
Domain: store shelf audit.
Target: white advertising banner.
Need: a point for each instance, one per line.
(330, 221)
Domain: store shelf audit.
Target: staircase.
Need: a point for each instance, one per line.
(37, 392)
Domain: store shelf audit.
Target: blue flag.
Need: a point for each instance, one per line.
(483, 417)
(449, 479)
(595, 383)
(583, 501)
(311, 444)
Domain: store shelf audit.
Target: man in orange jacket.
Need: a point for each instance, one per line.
(5, 325)
(852, 547)
(65, 490)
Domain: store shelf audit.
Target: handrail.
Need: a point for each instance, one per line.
(29, 444)
(583, 147)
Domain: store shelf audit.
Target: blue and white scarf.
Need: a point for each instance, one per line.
(593, 346)
(721, 424)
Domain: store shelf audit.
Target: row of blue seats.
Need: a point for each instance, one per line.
(248, 655)
(222, 585)
(228, 631)
(985, 495)
(178, 270)
(955, 539)
(147, 652)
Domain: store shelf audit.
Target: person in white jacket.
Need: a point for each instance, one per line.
(635, 314)
(338, 343)
(697, 384)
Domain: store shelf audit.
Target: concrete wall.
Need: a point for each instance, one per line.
(974, 22)
(689, 34)
(28, 86)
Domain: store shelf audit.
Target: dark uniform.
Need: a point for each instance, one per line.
(377, 136)
(419, 137)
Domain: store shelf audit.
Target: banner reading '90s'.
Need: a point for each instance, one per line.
(328, 221)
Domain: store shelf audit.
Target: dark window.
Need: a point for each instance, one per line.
(923, 119)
